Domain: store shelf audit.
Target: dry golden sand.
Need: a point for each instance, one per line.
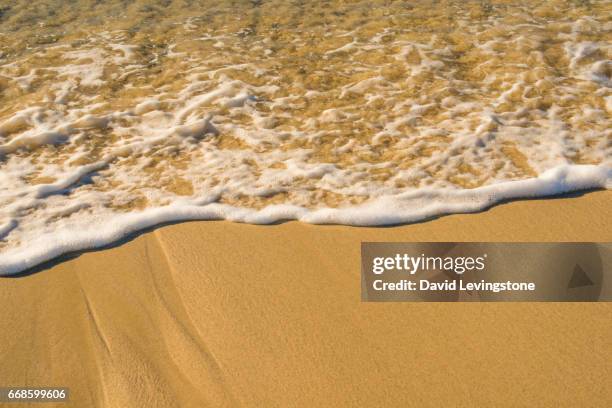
(221, 314)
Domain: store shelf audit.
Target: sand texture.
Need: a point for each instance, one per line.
(222, 314)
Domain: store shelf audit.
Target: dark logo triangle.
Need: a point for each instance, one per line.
(579, 278)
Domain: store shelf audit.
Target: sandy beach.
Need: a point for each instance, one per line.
(458, 121)
(225, 314)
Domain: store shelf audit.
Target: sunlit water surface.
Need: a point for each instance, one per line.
(117, 115)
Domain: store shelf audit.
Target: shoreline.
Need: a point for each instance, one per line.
(126, 231)
(214, 313)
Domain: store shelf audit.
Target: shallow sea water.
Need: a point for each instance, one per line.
(118, 115)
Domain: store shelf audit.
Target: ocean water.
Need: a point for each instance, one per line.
(119, 115)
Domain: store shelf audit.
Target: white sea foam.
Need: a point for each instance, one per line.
(361, 122)
(99, 230)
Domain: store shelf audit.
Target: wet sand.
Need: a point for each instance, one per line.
(224, 314)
